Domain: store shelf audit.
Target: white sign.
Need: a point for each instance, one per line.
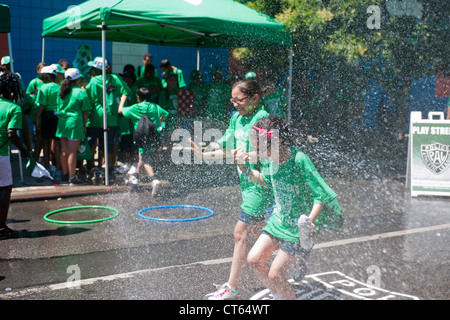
(429, 155)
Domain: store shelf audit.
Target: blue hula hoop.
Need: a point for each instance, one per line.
(211, 212)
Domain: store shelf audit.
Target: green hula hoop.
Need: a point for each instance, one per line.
(46, 216)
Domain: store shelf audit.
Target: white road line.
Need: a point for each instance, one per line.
(329, 244)
(380, 236)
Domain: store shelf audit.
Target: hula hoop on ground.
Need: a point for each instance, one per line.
(46, 216)
(211, 212)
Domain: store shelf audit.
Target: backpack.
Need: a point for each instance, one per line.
(146, 135)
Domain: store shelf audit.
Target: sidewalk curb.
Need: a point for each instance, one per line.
(20, 194)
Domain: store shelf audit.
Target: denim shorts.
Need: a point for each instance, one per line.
(247, 218)
(290, 247)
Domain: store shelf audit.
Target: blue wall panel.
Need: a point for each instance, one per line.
(26, 39)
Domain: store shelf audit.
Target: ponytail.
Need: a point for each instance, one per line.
(66, 87)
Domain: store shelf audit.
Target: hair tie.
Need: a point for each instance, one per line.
(263, 132)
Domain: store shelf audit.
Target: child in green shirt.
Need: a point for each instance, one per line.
(46, 118)
(255, 199)
(73, 110)
(155, 114)
(299, 192)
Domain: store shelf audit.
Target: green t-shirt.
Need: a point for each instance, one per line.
(200, 96)
(48, 95)
(34, 86)
(255, 199)
(115, 88)
(180, 79)
(146, 83)
(168, 100)
(140, 72)
(275, 104)
(296, 187)
(29, 104)
(218, 95)
(152, 110)
(10, 118)
(70, 114)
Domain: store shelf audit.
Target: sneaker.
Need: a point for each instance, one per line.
(64, 179)
(155, 185)
(75, 181)
(305, 229)
(224, 292)
(7, 233)
(133, 169)
(124, 169)
(97, 174)
(132, 179)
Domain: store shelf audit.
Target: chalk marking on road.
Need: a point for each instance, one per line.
(329, 244)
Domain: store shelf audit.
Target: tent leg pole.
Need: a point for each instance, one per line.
(43, 50)
(10, 53)
(198, 59)
(105, 121)
(289, 115)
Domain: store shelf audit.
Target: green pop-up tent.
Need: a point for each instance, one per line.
(194, 23)
(5, 20)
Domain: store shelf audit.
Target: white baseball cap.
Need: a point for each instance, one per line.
(58, 68)
(6, 60)
(98, 63)
(49, 69)
(73, 74)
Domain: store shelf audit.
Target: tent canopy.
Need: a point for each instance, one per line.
(5, 24)
(193, 23)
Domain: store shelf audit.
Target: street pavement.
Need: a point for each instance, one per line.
(391, 246)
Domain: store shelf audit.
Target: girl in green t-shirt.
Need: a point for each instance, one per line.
(255, 199)
(73, 111)
(300, 195)
(46, 117)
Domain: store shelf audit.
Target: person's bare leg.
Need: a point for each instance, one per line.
(242, 232)
(277, 275)
(258, 257)
(72, 147)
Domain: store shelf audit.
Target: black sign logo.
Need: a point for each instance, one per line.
(436, 157)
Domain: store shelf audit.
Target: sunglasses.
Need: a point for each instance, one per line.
(236, 100)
